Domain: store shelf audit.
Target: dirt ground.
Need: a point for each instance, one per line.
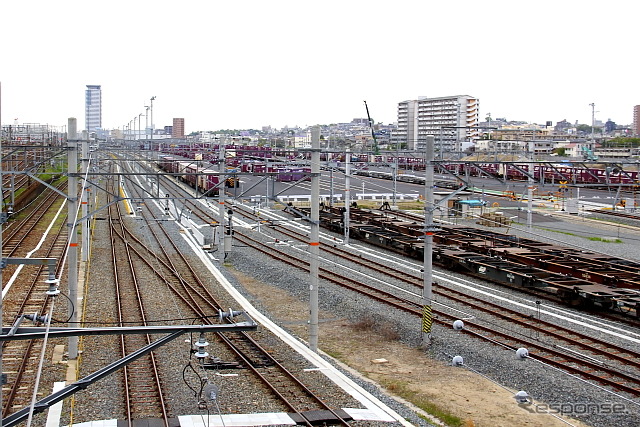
(457, 391)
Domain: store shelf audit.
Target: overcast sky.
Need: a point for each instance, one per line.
(248, 64)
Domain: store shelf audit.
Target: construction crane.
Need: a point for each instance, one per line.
(373, 135)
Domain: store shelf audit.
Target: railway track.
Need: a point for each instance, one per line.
(546, 352)
(15, 232)
(537, 256)
(616, 214)
(577, 357)
(583, 342)
(164, 259)
(143, 387)
(28, 296)
(577, 277)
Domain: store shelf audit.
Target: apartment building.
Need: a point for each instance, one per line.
(452, 120)
(636, 121)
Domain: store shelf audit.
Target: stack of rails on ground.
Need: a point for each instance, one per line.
(550, 335)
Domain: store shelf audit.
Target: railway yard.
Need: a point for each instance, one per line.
(551, 312)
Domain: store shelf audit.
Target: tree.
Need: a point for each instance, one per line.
(587, 129)
(561, 151)
(624, 142)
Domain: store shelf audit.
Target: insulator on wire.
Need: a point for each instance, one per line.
(228, 314)
(37, 318)
(53, 287)
(201, 344)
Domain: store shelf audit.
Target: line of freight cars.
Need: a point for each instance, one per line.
(579, 278)
(516, 172)
(237, 154)
(209, 152)
(405, 177)
(551, 172)
(251, 159)
(282, 173)
(206, 179)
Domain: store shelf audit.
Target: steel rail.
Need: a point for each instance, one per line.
(554, 357)
(136, 386)
(245, 347)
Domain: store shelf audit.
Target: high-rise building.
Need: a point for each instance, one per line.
(636, 120)
(407, 124)
(93, 108)
(452, 120)
(178, 128)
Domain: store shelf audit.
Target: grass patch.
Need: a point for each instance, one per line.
(383, 330)
(401, 389)
(604, 239)
(335, 354)
(559, 231)
(593, 239)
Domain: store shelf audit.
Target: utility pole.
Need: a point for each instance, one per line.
(330, 183)
(221, 198)
(593, 122)
(314, 239)
(72, 272)
(2, 220)
(530, 186)
(84, 166)
(429, 229)
(347, 194)
(151, 109)
(395, 166)
(146, 122)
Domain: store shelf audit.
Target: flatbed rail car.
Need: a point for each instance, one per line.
(467, 250)
(580, 264)
(592, 266)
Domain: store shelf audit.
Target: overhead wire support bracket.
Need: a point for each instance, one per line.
(39, 332)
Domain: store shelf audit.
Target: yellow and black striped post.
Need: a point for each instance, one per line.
(427, 319)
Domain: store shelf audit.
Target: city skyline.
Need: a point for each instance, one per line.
(286, 63)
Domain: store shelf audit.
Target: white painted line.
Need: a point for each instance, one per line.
(381, 411)
(592, 323)
(14, 276)
(236, 420)
(55, 412)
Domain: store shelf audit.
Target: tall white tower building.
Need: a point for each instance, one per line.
(93, 108)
